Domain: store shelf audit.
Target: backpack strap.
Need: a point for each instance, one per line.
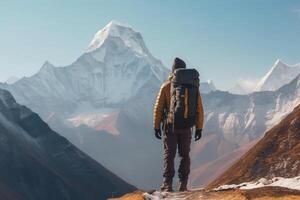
(186, 103)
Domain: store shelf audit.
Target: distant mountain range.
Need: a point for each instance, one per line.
(235, 122)
(103, 104)
(37, 163)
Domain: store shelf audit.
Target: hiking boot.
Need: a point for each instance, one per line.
(166, 186)
(183, 186)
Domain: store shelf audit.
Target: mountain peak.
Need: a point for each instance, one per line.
(114, 29)
(116, 24)
(278, 62)
(47, 66)
(279, 75)
(279, 65)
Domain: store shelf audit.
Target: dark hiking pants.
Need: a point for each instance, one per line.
(180, 138)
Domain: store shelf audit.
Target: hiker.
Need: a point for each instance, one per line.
(178, 108)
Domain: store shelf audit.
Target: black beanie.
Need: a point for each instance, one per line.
(178, 63)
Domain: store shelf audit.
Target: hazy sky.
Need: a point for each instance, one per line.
(225, 40)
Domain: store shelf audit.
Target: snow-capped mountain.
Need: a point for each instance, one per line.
(111, 88)
(279, 75)
(275, 155)
(37, 163)
(126, 34)
(115, 67)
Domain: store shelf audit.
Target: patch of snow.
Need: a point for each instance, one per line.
(158, 195)
(291, 183)
(155, 195)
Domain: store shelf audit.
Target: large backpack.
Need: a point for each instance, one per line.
(184, 93)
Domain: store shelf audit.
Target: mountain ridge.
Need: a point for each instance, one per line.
(275, 155)
(111, 81)
(37, 163)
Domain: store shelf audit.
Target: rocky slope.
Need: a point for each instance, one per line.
(37, 163)
(276, 155)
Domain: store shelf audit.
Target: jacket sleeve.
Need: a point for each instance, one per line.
(159, 107)
(200, 113)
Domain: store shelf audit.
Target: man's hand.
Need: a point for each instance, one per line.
(198, 134)
(158, 133)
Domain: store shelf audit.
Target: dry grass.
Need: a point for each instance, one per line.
(265, 193)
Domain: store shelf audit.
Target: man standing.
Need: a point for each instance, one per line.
(179, 108)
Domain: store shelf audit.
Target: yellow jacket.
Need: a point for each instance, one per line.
(163, 103)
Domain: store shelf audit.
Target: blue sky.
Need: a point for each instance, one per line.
(225, 40)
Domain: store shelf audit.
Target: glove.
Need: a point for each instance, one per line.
(198, 134)
(158, 133)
